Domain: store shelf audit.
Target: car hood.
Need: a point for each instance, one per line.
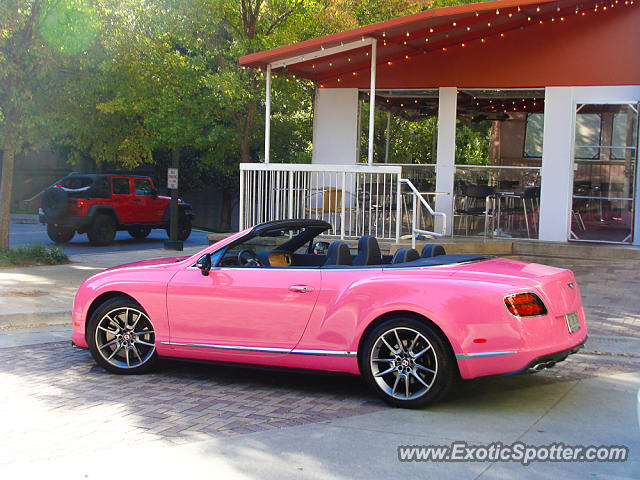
(151, 262)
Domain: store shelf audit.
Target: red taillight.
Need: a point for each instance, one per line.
(525, 305)
(79, 204)
(58, 186)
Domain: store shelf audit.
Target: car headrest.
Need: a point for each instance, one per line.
(403, 255)
(338, 254)
(368, 251)
(432, 250)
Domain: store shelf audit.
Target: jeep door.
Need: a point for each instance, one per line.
(123, 199)
(149, 207)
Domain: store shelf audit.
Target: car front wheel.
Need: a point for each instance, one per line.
(121, 337)
(407, 363)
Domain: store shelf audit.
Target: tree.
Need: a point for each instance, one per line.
(40, 42)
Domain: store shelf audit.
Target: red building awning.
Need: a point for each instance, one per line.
(504, 43)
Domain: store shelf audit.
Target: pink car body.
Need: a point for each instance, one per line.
(317, 318)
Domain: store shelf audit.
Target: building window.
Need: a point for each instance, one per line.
(588, 127)
(534, 135)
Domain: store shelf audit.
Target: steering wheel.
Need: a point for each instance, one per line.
(248, 258)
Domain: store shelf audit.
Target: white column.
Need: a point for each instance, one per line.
(335, 126)
(267, 115)
(446, 156)
(557, 164)
(372, 97)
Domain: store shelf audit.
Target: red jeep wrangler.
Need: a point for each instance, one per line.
(99, 205)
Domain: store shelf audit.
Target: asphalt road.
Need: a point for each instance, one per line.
(23, 234)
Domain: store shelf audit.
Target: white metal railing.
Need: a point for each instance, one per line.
(355, 199)
(416, 215)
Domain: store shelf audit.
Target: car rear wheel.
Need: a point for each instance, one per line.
(407, 363)
(60, 233)
(121, 337)
(139, 232)
(102, 230)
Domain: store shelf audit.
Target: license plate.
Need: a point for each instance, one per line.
(572, 322)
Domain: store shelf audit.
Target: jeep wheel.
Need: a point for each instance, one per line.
(184, 227)
(60, 233)
(139, 232)
(102, 230)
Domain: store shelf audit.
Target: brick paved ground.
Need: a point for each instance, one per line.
(54, 398)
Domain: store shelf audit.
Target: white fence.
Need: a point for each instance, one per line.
(355, 199)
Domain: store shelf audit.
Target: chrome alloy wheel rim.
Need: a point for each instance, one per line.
(403, 363)
(125, 337)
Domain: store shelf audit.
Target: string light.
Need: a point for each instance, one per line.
(431, 30)
(407, 34)
(497, 11)
(463, 45)
(488, 24)
(538, 9)
(468, 29)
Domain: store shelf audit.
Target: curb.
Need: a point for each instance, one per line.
(24, 218)
(40, 319)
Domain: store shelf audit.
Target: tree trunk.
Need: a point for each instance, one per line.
(225, 211)
(8, 156)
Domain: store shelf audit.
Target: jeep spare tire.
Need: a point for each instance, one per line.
(55, 202)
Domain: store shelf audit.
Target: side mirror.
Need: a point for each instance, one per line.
(154, 192)
(204, 264)
(320, 248)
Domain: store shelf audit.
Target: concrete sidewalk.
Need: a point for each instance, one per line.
(77, 437)
(39, 296)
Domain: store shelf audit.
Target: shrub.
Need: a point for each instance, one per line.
(34, 254)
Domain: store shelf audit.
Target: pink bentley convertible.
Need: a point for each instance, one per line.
(410, 323)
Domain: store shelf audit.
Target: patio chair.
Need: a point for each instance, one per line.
(476, 201)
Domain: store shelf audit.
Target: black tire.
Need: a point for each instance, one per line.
(139, 232)
(184, 227)
(55, 202)
(60, 233)
(125, 341)
(102, 230)
(428, 376)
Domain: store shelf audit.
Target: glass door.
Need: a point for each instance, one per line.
(605, 170)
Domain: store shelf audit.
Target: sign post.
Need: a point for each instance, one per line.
(172, 184)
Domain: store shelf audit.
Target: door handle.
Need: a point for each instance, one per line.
(300, 288)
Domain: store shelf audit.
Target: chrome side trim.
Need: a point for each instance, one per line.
(322, 353)
(230, 347)
(466, 356)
